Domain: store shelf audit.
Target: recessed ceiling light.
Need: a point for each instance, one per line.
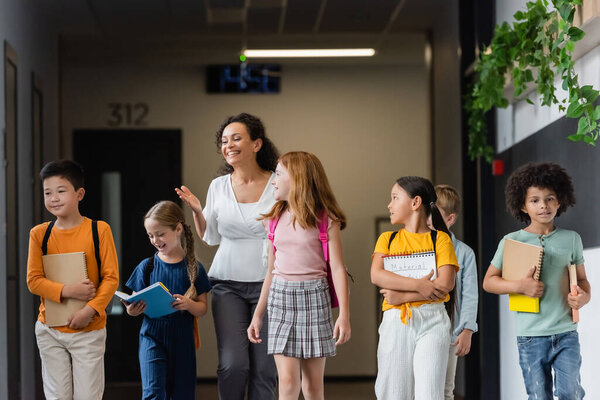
(303, 53)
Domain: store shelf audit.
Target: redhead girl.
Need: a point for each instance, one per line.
(295, 293)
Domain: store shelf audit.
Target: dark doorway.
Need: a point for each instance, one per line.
(39, 210)
(126, 172)
(12, 233)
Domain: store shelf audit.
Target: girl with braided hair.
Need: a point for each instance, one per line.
(166, 349)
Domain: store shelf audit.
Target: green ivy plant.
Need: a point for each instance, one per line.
(535, 48)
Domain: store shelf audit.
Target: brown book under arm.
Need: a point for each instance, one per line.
(66, 268)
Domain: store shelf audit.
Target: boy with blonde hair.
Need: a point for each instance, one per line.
(465, 317)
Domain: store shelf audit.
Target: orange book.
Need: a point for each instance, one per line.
(573, 286)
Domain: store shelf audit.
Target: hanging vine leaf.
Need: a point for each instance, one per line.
(535, 48)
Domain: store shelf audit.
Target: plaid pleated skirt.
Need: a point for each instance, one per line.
(300, 320)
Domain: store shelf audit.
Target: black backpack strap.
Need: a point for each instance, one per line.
(393, 235)
(96, 238)
(433, 238)
(148, 268)
(46, 238)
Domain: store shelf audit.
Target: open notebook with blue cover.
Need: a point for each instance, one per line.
(157, 298)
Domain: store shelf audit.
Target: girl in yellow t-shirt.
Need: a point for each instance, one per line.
(414, 334)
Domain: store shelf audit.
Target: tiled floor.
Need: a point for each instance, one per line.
(347, 389)
(334, 390)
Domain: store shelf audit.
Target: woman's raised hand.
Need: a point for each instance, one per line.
(189, 198)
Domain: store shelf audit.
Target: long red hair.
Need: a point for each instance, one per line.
(310, 192)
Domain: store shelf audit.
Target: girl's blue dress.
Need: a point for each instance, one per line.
(166, 351)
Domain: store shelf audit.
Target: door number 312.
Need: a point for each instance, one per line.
(127, 114)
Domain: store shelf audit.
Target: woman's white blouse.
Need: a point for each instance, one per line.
(243, 243)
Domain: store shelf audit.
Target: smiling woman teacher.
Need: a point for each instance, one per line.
(234, 202)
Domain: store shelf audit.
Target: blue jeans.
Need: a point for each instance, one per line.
(538, 355)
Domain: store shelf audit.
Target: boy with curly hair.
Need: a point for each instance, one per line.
(536, 193)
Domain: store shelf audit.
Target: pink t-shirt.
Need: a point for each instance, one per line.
(299, 255)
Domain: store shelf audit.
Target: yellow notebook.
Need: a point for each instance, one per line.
(66, 268)
(522, 303)
(517, 260)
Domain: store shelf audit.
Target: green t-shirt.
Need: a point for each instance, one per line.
(561, 248)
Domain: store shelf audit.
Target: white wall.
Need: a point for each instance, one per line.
(446, 100)
(32, 35)
(521, 119)
(368, 124)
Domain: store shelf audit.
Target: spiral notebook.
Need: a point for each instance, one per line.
(66, 268)
(517, 260)
(413, 265)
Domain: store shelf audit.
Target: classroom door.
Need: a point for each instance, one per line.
(126, 172)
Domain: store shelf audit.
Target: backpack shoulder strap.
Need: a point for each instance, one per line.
(46, 238)
(324, 238)
(148, 268)
(272, 225)
(96, 238)
(323, 225)
(392, 236)
(433, 238)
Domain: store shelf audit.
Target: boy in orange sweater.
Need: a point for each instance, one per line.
(72, 355)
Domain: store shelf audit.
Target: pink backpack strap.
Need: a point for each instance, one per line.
(272, 225)
(323, 225)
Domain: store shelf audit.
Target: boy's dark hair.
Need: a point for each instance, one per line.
(267, 155)
(541, 175)
(67, 169)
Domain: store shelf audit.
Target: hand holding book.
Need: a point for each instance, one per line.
(428, 289)
(82, 318)
(522, 262)
(182, 303)
(84, 290)
(530, 286)
(134, 308)
(156, 298)
(577, 298)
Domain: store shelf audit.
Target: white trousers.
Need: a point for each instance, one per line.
(450, 374)
(72, 363)
(412, 358)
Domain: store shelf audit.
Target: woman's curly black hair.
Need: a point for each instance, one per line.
(541, 175)
(267, 155)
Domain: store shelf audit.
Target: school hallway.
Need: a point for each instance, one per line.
(134, 91)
